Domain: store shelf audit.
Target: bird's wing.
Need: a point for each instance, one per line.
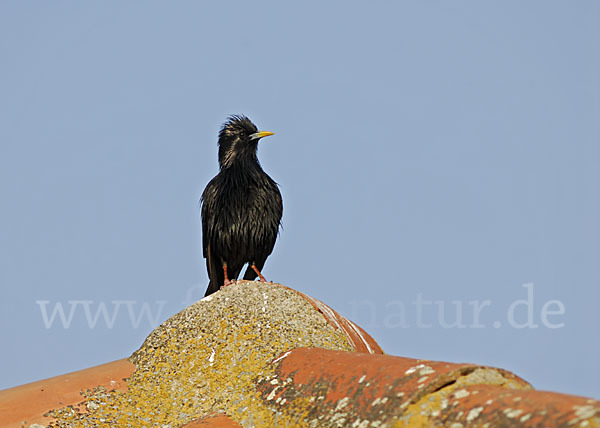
(207, 214)
(213, 263)
(204, 239)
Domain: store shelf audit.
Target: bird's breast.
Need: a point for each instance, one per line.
(246, 214)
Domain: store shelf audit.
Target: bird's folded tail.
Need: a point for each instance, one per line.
(212, 288)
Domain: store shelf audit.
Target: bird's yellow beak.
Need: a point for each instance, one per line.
(260, 134)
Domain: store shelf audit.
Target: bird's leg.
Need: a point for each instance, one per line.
(262, 278)
(227, 281)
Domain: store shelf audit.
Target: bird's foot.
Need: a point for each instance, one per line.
(260, 275)
(227, 283)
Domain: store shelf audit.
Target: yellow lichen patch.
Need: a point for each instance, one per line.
(424, 413)
(208, 358)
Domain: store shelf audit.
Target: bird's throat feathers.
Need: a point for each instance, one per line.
(238, 154)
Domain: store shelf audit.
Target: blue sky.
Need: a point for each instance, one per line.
(431, 155)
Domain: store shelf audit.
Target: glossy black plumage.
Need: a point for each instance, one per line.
(241, 207)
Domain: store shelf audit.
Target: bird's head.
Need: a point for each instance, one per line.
(238, 141)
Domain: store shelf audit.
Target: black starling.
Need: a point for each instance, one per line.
(241, 208)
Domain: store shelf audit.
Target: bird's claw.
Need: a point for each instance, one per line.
(227, 283)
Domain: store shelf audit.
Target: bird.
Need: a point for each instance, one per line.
(241, 208)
